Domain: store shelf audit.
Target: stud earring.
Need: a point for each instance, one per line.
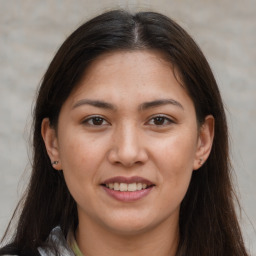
(55, 162)
(201, 161)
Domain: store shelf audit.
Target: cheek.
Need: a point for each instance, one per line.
(79, 152)
(80, 159)
(73, 154)
(79, 164)
(175, 159)
(177, 152)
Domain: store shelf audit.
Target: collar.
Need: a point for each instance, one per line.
(73, 244)
(57, 239)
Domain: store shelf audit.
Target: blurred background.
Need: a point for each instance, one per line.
(31, 31)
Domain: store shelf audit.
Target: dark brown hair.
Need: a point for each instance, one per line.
(208, 222)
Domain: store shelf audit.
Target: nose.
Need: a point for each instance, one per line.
(127, 147)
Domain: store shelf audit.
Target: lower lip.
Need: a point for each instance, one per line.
(128, 196)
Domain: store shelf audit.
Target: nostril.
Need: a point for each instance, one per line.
(127, 157)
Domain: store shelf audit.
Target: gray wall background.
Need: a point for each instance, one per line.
(32, 30)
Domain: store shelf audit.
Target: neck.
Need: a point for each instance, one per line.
(161, 240)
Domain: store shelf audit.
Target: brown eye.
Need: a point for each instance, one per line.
(95, 121)
(160, 121)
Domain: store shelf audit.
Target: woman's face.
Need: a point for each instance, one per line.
(127, 142)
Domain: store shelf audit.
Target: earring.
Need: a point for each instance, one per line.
(201, 161)
(55, 162)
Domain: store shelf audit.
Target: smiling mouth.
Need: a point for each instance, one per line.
(127, 187)
(127, 184)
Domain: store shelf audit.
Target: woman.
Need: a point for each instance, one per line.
(130, 148)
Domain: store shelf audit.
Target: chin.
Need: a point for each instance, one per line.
(130, 225)
(130, 230)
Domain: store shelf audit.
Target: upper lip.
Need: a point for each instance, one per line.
(128, 180)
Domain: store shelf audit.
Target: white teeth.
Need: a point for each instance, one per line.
(123, 187)
(132, 187)
(139, 186)
(116, 186)
(126, 187)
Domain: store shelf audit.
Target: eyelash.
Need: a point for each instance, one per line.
(164, 121)
(97, 119)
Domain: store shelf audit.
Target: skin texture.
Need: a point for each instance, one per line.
(128, 140)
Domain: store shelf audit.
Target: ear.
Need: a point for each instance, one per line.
(204, 143)
(51, 143)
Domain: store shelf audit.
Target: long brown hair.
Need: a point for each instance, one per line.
(208, 222)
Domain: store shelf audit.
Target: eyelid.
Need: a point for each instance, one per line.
(86, 120)
(166, 117)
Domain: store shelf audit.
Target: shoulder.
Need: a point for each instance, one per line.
(8, 251)
(56, 242)
(11, 250)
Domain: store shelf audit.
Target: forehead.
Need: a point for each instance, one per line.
(146, 75)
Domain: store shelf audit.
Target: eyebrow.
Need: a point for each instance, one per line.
(161, 102)
(143, 106)
(95, 103)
